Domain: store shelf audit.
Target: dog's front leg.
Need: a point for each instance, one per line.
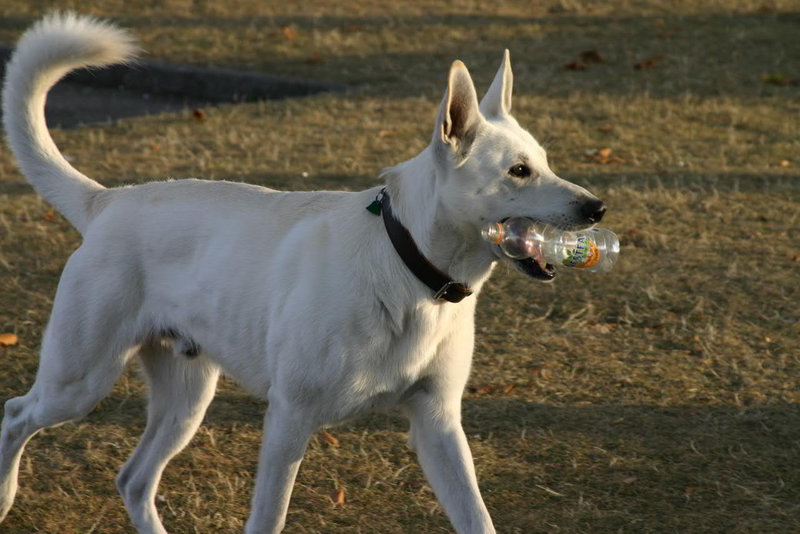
(286, 434)
(441, 446)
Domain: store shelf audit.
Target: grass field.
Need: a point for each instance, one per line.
(663, 397)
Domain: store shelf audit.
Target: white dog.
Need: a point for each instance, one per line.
(306, 298)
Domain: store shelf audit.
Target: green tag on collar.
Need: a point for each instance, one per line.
(374, 207)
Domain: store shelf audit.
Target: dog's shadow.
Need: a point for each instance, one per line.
(756, 429)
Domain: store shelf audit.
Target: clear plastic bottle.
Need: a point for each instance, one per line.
(594, 249)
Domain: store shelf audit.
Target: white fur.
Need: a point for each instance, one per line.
(299, 296)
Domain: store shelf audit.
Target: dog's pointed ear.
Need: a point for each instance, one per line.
(459, 115)
(497, 100)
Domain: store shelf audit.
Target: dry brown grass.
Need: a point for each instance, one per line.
(660, 398)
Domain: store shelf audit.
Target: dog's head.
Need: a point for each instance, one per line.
(493, 169)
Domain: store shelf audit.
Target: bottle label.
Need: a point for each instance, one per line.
(584, 255)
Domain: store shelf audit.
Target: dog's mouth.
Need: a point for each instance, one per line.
(535, 269)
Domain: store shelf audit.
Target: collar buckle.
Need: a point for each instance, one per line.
(442, 293)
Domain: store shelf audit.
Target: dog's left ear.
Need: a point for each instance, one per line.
(497, 100)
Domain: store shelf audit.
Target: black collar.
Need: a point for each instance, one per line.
(444, 287)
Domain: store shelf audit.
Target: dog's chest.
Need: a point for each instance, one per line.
(390, 366)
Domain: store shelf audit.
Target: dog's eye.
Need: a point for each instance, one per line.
(520, 170)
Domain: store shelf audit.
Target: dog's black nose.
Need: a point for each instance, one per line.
(593, 210)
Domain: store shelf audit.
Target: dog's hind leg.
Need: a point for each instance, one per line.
(180, 391)
(82, 356)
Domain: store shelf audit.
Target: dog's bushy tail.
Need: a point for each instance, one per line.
(52, 47)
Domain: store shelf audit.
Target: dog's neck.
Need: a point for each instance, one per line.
(417, 203)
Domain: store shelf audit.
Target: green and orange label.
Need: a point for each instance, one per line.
(584, 255)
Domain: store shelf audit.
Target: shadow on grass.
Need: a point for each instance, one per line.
(507, 417)
(609, 467)
(757, 433)
(597, 468)
(707, 55)
(704, 55)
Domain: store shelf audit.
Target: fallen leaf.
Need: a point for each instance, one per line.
(50, 216)
(591, 56)
(629, 480)
(649, 63)
(795, 257)
(199, 114)
(385, 133)
(604, 156)
(314, 58)
(575, 65)
(786, 163)
(605, 128)
(8, 340)
(329, 438)
(337, 497)
(288, 33)
(508, 387)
